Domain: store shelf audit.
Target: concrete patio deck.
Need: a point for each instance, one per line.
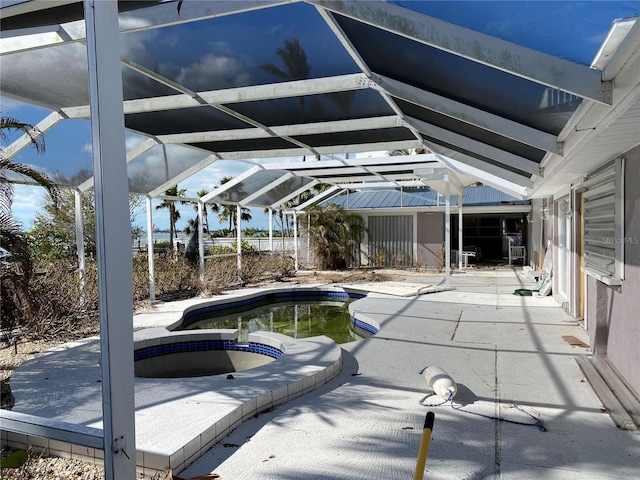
(501, 350)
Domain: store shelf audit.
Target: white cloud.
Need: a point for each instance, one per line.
(210, 73)
(7, 105)
(27, 201)
(135, 46)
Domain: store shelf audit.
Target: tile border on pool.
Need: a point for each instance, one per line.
(218, 305)
(168, 436)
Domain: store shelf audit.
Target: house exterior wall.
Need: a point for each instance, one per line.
(416, 238)
(390, 240)
(612, 312)
(430, 240)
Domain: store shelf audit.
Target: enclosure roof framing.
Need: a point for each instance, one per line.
(213, 81)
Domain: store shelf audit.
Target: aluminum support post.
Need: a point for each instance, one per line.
(113, 238)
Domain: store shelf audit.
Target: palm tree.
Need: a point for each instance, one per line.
(192, 226)
(407, 151)
(213, 206)
(228, 213)
(295, 61)
(335, 235)
(8, 124)
(299, 200)
(174, 214)
(296, 65)
(16, 274)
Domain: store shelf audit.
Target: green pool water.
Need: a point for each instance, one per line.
(294, 318)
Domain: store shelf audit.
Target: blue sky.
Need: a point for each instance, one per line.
(573, 30)
(76, 143)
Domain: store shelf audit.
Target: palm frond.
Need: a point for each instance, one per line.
(34, 133)
(275, 70)
(38, 177)
(14, 242)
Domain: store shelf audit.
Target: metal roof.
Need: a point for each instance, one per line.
(412, 198)
(257, 80)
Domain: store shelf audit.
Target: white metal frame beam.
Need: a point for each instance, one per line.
(514, 59)
(454, 186)
(327, 173)
(158, 16)
(294, 194)
(387, 87)
(200, 101)
(329, 193)
(418, 183)
(344, 40)
(496, 181)
(317, 128)
(356, 81)
(24, 40)
(481, 165)
(184, 175)
(370, 178)
(132, 154)
(230, 184)
(447, 136)
(328, 151)
(330, 20)
(261, 191)
(47, 123)
(370, 162)
(465, 113)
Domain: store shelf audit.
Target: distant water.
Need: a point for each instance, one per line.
(163, 237)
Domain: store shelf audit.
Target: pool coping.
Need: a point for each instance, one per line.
(167, 438)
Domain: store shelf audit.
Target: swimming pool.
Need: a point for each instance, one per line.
(228, 337)
(297, 316)
(180, 419)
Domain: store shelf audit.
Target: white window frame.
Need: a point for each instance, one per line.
(604, 223)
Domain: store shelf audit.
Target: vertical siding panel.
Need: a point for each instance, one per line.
(391, 237)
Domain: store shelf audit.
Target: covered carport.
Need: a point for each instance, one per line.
(204, 82)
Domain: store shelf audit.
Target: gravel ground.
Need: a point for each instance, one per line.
(51, 468)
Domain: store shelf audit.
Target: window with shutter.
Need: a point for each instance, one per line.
(603, 223)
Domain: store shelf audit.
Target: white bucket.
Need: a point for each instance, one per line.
(440, 382)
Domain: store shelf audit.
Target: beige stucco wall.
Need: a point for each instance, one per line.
(613, 313)
(430, 239)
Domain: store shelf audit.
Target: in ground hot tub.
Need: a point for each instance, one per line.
(163, 354)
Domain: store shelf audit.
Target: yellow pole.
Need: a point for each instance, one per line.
(424, 446)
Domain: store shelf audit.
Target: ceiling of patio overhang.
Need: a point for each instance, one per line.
(229, 80)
